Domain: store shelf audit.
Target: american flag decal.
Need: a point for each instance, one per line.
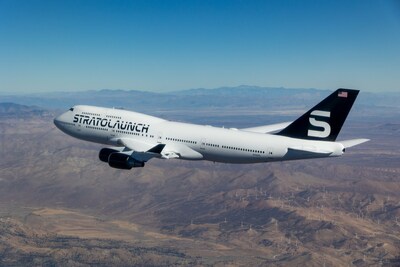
(342, 94)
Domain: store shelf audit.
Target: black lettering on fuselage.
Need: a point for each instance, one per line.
(86, 120)
(123, 125)
(145, 128)
(138, 128)
(93, 121)
(103, 122)
(132, 126)
(109, 124)
(118, 124)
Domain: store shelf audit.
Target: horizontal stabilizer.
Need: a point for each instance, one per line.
(267, 128)
(353, 142)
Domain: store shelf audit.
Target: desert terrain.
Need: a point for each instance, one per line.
(61, 206)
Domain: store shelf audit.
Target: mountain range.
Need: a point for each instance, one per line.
(233, 97)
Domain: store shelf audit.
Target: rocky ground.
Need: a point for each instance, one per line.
(61, 206)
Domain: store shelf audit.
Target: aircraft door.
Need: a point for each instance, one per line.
(269, 152)
(159, 138)
(203, 144)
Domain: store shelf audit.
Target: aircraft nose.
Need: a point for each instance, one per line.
(59, 120)
(55, 121)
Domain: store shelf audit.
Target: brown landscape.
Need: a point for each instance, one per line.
(61, 206)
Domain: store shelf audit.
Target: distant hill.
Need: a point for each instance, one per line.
(265, 98)
(12, 109)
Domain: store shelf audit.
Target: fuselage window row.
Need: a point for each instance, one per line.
(113, 117)
(244, 149)
(181, 140)
(138, 134)
(97, 128)
(213, 145)
(92, 114)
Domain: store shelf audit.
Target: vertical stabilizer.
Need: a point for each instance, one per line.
(324, 121)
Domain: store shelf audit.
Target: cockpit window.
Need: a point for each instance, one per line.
(71, 109)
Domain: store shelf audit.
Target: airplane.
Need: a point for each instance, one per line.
(136, 138)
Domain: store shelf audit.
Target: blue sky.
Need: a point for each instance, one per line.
(171, 45)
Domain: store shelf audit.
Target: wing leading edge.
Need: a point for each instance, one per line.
(267, 128)
(143, 151)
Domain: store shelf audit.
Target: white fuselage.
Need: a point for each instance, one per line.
(107, 126)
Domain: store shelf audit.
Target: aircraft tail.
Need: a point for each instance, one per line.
(324, 121)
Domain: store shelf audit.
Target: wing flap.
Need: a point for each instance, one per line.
(180, 151)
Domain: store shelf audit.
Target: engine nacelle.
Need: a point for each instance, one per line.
(105, 153)
(123, 161)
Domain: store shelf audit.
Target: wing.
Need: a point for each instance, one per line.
(134, 144)
(267, 128)
(139, 150)
(144, 151)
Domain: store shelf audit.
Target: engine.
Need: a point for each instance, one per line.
(105, 153)
(123, 161)
(118, 160)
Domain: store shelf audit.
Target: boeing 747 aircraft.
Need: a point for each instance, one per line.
(136, 138)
